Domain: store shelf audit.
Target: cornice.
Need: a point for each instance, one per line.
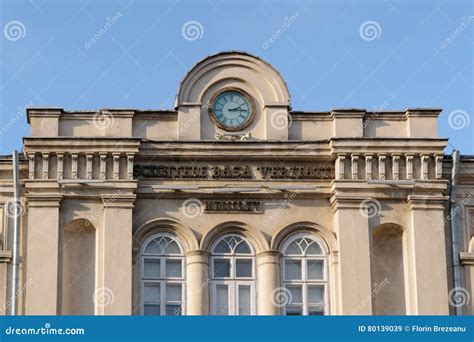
(118, 201)
(427, 202)
(44, 200)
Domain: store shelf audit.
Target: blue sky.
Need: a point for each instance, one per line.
(332, 54)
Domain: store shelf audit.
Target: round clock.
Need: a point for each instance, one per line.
(231, 109)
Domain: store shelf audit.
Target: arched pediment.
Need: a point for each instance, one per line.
(237, 67)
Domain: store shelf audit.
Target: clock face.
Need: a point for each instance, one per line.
(231, 110)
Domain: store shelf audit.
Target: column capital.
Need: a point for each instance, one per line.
(197, 256)
(268, 257)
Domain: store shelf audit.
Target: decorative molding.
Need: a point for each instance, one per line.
(424, 166)
(409, 165)
(355, 165)
(439, 166)
(74, 158)
(396, 166)
(89, 166)
(60, 166)
(31, 165)
(103, 165)
(45, 165)
(340, 166)
(116, 165)
(368, 166)
(382, 172)
(130, 157)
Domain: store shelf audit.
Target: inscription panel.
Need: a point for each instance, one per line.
(243, 172)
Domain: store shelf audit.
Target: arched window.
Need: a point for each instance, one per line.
(304, 276)
(233, 276)
(162, 276)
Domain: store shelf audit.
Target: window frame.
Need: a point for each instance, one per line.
(304, 282)
(232, 281)
(162, 280)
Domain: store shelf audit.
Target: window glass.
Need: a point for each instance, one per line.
(172, 248)
(315, 294)
(242, 248)
(151, 268)
(313, 249)
(151, 293)
(222, 248)
(173, 292)
(316, 310)
(292, 269)
(151, 310)
(244, 300)
(173, 310)
(294, 310)
(315, 269)
(296, 294)
(222, 300)
(221, 268)
(243, 268)
(173, 268)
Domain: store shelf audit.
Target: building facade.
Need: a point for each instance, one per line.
(233, 204)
